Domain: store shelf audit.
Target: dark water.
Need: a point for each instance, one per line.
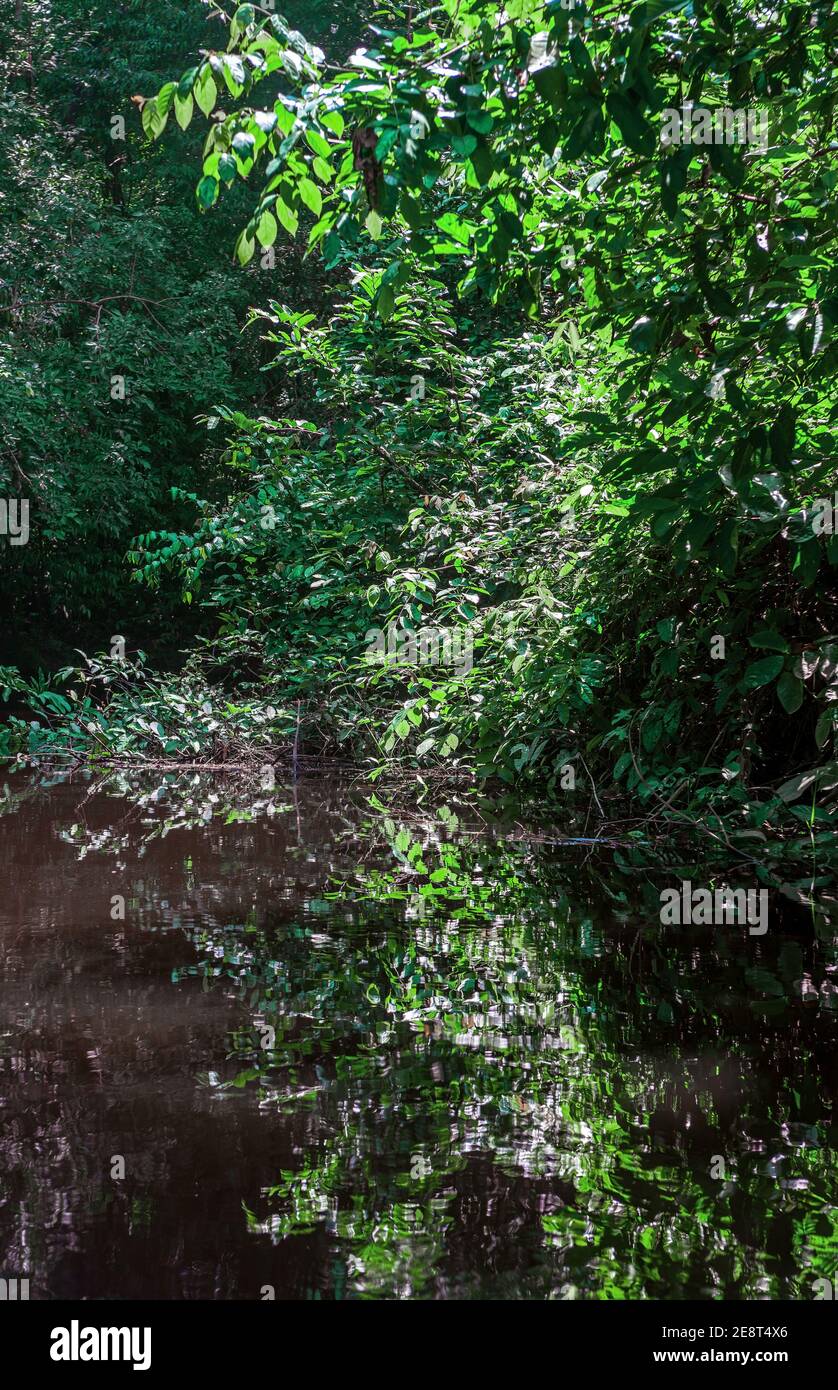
(513, 1083)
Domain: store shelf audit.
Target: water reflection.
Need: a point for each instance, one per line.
(344, 1056)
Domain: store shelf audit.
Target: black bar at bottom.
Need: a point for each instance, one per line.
(91, 1338)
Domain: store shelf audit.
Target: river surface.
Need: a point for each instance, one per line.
(291, 1046)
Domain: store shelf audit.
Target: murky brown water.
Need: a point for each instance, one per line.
(99, 1053)
(521, 1092)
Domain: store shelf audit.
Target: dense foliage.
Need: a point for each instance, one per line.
(120, 320)
(547, 383)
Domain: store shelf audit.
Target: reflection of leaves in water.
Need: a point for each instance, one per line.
(518, 1020)
(566, 1080)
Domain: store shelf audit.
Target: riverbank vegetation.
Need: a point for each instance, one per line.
(529, 403)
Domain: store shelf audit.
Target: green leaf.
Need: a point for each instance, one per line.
(266, 229)
(244, 146)
(245, 247)
(452, 226)
(183, 110)
(186, 83)
(551, 84)
(790, 692)
(464, 144)
(310, 195)
(207, 192)
(287, 217)
(233, 73)
(652, 730)
(480, 121)
(317, 143)
(762, 672)
(206, 92)
(386, 302)
(800, 783)
(333, 120)
(267, 121)
(482, 164)
(227, 168)
(164, 97)
(636, 132)
(824, 726)
(153, 122)
(643, 335)
(548, 136)
(769, 639)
